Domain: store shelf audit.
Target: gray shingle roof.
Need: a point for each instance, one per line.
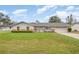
(50, 24)
(58, 25)
(46, 24)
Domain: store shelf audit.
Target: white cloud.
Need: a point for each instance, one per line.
(76, 15)
(4, 12)
(70, 8)
(76, 8)
(20, 12)
(47, 17)
(45, 8)
(64, 14)
(61, 13)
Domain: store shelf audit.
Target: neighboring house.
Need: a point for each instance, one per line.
(75, 27)
(39, 27)
(5, 27)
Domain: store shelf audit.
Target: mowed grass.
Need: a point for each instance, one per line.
(37, 43)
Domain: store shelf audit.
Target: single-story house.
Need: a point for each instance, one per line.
(39, 27)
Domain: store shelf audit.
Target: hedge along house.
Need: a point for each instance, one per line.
(39, 27)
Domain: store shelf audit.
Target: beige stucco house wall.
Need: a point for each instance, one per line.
(40, 27)
(43, 29)
(22, 26)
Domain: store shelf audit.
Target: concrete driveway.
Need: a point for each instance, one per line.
(64, 32)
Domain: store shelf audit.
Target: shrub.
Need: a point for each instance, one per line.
(75, 30)
(21, 31)
(69, 29)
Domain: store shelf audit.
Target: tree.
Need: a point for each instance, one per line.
(54, 19)
(1, 15)
(13, 22)
(5, 19)
(37, 21)
(70, 20)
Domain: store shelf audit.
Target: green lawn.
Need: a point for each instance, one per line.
(33, 43)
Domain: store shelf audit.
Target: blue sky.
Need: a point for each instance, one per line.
(31, 13)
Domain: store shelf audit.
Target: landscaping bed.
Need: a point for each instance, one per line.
(21, 31)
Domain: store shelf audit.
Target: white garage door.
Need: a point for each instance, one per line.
(60, 29)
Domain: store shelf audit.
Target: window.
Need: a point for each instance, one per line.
(10, 27)
(27, 28)
(46, 27)
(18, 28)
